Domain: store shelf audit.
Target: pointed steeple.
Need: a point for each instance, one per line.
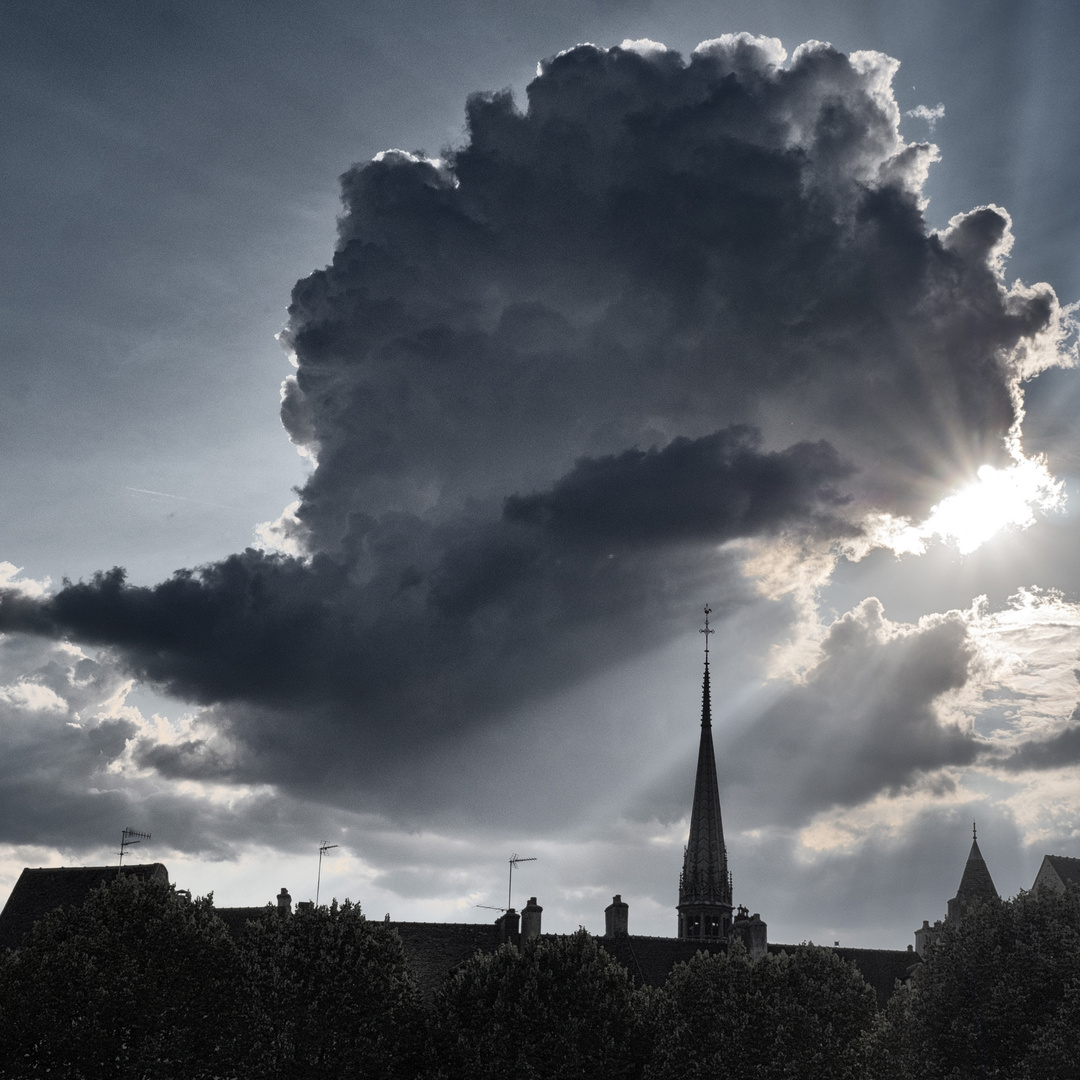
(976, 884)
(705, 885)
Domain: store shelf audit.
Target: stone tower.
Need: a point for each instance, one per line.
(705, 884)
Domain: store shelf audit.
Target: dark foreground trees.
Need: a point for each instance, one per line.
(142, 981)
(997, 997)
(794, 1015)
(138, 981)
(325, 993)
(559, 1007)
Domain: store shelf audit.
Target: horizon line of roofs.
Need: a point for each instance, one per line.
(1056, 872)
(433, 950)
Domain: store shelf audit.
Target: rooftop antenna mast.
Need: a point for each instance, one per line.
(128, 838)
(324, 847)
(514, 860)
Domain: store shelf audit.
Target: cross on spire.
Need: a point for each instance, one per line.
(707, 632)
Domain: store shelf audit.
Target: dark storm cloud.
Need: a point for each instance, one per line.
(1057, 752)
(656, 253)
(714, 488)
(866, 720)
(465, 616)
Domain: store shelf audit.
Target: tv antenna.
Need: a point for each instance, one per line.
(324, 847)
(128, 838)
(514, 860)
(491, 907)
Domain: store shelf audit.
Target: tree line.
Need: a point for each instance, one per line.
(143, 981)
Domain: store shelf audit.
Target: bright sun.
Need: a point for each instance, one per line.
(997, 498)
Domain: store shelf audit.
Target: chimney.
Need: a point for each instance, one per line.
(305, 905)
(530, 920)
(752, 932)
(616, 918)
(508, 927)
(284, 902)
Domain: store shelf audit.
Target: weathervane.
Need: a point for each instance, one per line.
(707, 632)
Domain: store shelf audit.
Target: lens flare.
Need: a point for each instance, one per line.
(995, 500)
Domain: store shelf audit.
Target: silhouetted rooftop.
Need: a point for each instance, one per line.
(235, 918)
(41, 890)
(433, 950)
(1066, 868)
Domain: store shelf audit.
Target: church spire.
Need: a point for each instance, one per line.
(705, 885)
(976, 884)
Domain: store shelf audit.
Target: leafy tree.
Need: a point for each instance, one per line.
(327, 994)
(996, 996)
(559, 1007)
(136, 982)
(889, 1047)
(794, 1015)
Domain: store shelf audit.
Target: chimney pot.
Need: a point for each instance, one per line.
(284, 901)
(617, 917)
(530, 920)
(508, 924)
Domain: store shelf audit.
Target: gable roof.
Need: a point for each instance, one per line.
(39, 891)
(433, 950)
(1066, 867)
(236, 918)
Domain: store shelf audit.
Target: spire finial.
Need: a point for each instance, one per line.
(707, 632)
(974, 834)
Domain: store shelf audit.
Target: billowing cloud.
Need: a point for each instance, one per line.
(870, 717)
(550, 376)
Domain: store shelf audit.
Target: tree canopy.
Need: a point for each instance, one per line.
(137, 981)
(997, 996)
(326, 993)
(802, 1014)
(559, 1007)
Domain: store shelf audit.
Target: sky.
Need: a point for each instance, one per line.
(389, 387)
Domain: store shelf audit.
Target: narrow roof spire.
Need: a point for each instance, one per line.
(705, 885)
(706, 700)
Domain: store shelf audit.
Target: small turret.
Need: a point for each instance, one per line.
(976, 884)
